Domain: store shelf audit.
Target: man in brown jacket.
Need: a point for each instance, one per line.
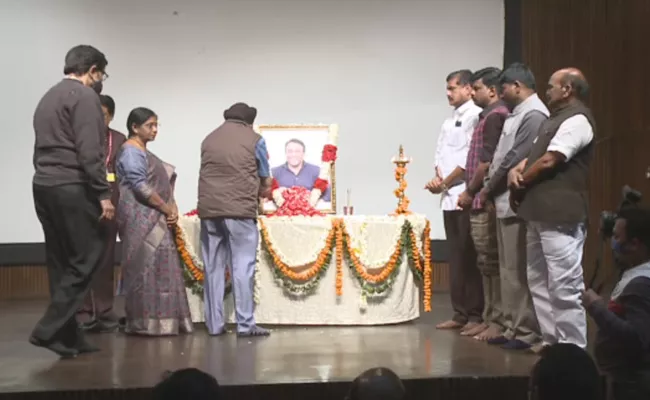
(234, 174)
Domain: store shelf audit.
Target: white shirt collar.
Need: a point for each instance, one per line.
(462, 109)
(524, 103)
(632, 273)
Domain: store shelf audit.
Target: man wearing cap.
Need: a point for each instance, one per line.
(234, 175)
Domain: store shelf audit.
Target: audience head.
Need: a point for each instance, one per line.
(459, 89)
(517, 84)
(486, 88)
(108, 108)
(87, 64)
(566, 86)
(565, 372)
(241, 112)
(377, 384)
(631, 238)
(142, 123)
(189, 383)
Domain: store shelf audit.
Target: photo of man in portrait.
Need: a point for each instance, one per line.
(296, 171)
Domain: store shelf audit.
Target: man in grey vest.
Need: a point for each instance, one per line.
(549, 189)
(234, 175)
(519, 131)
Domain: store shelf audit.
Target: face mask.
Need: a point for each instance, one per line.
(617, 247)
(97, 86)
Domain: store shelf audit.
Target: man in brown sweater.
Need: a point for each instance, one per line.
(234, 174)
(71, 195)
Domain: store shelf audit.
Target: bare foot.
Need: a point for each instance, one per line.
(451, 324)
(490, 333)
(473, 329)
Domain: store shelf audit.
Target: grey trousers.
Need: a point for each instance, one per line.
(519, 314)
(229, 242)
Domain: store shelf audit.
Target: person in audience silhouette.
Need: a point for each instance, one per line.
(565, 372)
(187, 383)
(377, 384)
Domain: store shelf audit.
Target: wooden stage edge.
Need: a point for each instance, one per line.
(295, 362)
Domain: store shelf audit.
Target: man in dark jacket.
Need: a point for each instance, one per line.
(623, 338)
(234, 174)
(71, 194)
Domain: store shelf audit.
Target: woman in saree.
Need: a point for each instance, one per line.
(155, 299)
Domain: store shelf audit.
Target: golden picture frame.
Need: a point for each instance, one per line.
(283, 143)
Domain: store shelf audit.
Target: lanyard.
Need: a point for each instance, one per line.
(110, 148)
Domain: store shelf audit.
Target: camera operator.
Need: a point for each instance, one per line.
(623, 338)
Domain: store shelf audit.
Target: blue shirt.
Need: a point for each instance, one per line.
(306, 178)
(262, 156)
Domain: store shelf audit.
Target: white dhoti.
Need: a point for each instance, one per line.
(555, 278)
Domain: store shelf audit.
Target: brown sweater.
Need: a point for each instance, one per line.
(228, 181)
(70, 138)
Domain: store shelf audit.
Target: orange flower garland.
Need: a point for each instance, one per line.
(339, 259)
(426, 245)
(194, 271)
(316, 266)
(385, 272)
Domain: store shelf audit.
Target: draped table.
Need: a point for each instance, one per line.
(331, 270)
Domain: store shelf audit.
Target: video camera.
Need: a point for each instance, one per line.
(631, 198)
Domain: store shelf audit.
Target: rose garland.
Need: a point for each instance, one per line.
(328, 158)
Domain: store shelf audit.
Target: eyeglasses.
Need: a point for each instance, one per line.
(104, 76)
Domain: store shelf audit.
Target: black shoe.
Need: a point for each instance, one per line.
(84, 347)
(104, 327)
(56, 347)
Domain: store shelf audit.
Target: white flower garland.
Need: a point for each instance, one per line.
(324, 174)
(308, 252)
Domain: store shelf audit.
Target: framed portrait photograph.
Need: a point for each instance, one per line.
(298, 157)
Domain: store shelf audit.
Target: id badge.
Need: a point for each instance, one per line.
(110, 177)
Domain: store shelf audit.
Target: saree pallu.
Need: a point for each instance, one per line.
(154, 289)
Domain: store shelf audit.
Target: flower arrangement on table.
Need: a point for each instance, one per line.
(375, 279)
(296, 200)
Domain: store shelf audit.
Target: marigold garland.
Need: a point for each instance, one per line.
(315, 267)
(385, 273)
(339, 239)
(339, 259)
(195, 273)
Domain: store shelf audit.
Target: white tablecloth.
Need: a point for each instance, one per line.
(298, 240)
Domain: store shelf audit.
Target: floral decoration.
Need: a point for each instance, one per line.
(296, 203)
(375, 279)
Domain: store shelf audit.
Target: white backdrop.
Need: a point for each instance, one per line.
(375, 67)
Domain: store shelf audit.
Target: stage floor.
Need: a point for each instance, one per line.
(291, 355)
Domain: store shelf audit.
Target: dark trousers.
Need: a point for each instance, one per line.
(98, 303)
(74, 245)
(466, 281)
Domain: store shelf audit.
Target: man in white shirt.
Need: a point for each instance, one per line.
(549, 191)
(451, 156)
